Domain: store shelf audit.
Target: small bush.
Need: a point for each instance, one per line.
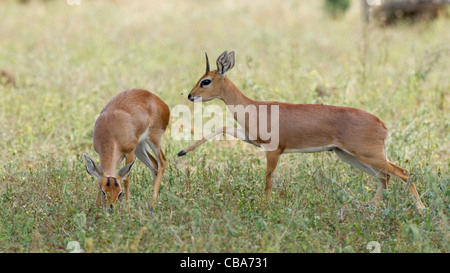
(336, 8)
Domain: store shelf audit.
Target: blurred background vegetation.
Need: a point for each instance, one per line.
(62, 63)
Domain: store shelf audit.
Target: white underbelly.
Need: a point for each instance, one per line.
(310, 149)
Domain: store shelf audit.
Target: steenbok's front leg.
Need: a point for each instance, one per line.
(126, 182)
(272, 161)
(237, 133)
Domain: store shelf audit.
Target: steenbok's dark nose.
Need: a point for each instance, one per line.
(190, 97)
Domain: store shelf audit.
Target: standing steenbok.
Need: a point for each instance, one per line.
(131, 123)
(356, 136)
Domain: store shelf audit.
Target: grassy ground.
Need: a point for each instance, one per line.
(68, 62)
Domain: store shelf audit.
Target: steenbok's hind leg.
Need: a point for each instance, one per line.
(382, 185)
(355, 162)
(145, 157)
(404, 175)
(379, 162)
(383, 178)
(154, 143)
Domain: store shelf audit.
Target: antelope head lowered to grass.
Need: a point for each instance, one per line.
(357, 137)
(130, 125)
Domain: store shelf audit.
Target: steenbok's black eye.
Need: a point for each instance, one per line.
(205, 82)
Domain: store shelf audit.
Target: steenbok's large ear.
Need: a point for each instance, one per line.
(125, 171)
(225, 62)
(92, 168)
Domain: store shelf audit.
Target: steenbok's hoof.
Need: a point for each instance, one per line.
(182, 153)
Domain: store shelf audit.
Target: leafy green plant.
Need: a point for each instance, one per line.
(336, 7)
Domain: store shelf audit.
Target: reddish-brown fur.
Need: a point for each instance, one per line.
(117, 132)
(135, 110)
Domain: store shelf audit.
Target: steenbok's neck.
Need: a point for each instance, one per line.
(233, 96)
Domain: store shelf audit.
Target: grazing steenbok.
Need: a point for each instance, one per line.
(356, 136)
(132, 123)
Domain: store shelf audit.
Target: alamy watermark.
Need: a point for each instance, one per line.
(74, 247)
(374, 247)
(256, 122)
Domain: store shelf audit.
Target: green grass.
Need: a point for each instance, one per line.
(70, 60)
